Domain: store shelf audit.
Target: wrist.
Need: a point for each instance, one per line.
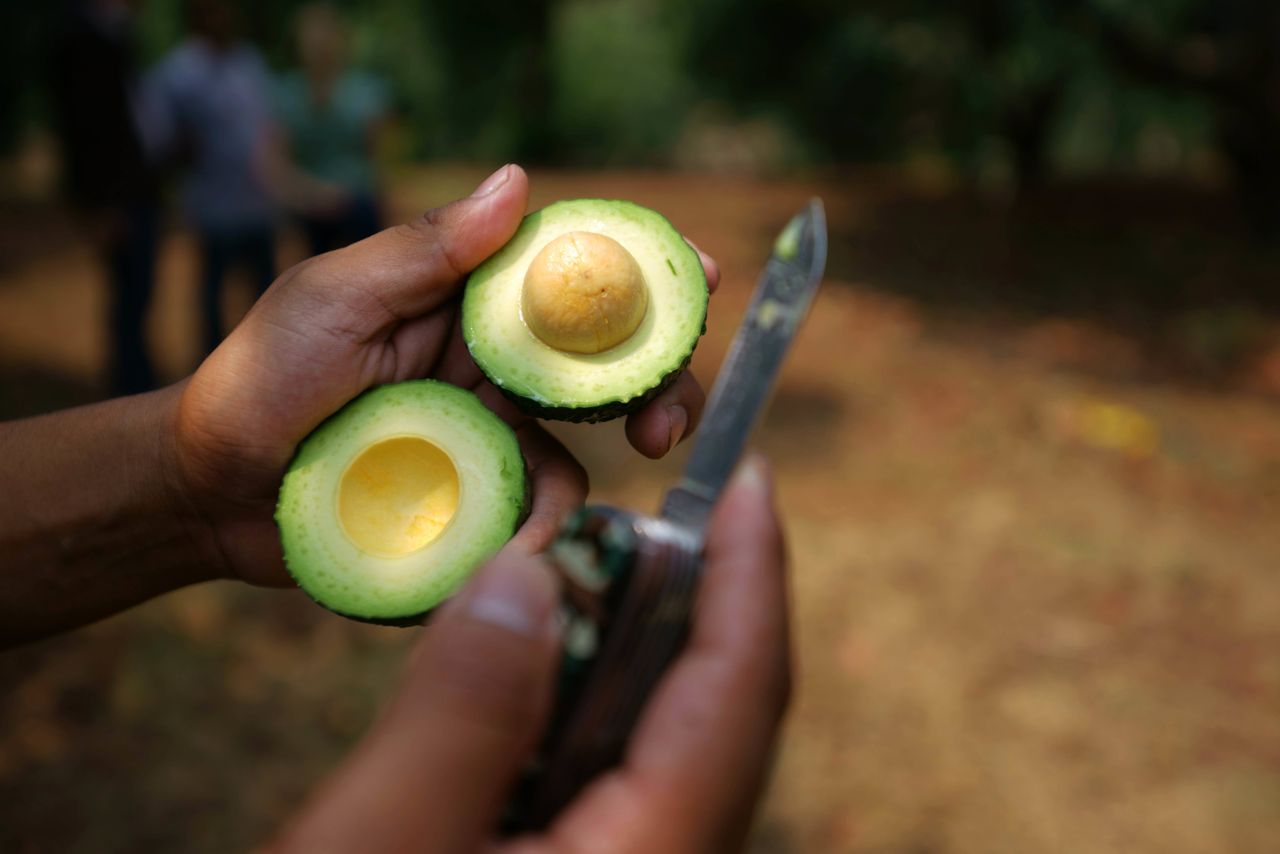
(187, 497)
(95, 516)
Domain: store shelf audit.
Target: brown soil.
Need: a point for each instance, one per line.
(1031, 473)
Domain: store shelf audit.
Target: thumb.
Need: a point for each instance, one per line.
(435, 769)
(405, 271)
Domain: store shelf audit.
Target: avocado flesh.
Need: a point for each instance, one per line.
(568, 386)
(391, 503)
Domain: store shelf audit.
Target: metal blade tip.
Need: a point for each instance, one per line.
(806, 225)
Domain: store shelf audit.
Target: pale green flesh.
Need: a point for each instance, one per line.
(342, 577)
(517, 361)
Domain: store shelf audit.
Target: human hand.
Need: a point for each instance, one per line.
(434, 772)
(382, 310)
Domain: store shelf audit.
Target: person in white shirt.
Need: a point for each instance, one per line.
(209, 109)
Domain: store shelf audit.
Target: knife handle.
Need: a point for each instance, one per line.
(629, 583)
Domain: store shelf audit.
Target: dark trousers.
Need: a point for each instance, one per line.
(358, 219)
(131, 264)
(252, 248)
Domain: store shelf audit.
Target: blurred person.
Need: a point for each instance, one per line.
(211, 107)
(186, 495)
(95, 91)
(331, 116)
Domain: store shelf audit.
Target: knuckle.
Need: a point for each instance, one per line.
(433, 228)
(427, 223)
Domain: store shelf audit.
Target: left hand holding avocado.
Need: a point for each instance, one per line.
(107, 505)
(382, 310)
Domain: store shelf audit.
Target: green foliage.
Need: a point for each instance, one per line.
(23, 30)
(1013, 88)
(619, 88)
(851, 103)
(395, 39)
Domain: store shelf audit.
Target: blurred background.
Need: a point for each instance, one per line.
(1028, 445)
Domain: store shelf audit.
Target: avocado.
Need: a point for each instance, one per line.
(389, 505)
(592, 308)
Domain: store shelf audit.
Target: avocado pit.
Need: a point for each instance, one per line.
(583, 293)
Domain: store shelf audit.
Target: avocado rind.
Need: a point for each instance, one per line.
(592, 414)
(505, 361)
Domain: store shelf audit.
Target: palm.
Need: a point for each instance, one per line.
(245, 418)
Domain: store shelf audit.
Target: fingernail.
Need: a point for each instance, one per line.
(493, 182)
(677, 423)
(754, 474)
(512, 594)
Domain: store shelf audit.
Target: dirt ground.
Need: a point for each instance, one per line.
(1030, 464)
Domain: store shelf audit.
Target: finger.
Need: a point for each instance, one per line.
(499, 404)
(709, 267)
(700, 753)
(417, 347)
(559, 485)
(668, 418)
(456, 365)
(435, 769)
(407, 270)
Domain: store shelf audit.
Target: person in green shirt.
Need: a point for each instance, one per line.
(331, 115)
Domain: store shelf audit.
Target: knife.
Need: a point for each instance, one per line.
(630, 580)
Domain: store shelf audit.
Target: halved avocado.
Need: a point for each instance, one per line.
(590, 310)
(391, 503)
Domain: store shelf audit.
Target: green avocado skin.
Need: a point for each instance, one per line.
(608, 410)
(398, 623)
(593, 414)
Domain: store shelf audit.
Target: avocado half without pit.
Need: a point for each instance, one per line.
(391, 503)
(591, 309)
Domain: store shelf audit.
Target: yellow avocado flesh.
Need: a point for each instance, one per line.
(583, 293)
(397, 496)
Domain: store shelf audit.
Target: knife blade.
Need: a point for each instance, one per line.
(781, 300)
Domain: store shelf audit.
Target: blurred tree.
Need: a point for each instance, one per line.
(620, 90)
(25, 31)
(1008, 91)
(1022, 60)
(1226, 50)
(818, 63)
(871, 81)
(497, 102)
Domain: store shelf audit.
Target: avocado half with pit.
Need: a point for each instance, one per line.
(591, 309)
(391, 503)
